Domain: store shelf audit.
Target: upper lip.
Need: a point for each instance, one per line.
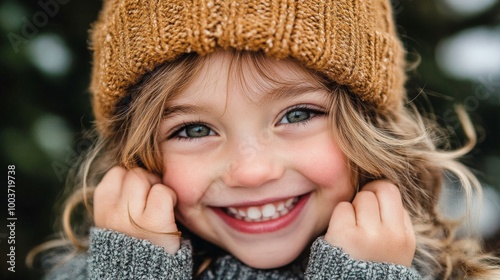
(260, 202)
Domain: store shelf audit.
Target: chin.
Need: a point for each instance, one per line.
(266, 259)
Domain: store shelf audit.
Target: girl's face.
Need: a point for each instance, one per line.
(252, 160)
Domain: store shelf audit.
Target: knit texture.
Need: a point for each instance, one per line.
(114, 255)
(336, 264)
(354, 43)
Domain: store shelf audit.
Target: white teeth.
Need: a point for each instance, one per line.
(268, 210)
(280, 206)
(242, 213)
(254, 213)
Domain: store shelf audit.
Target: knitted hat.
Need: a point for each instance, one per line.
(354, 43)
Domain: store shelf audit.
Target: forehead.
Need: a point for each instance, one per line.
(253, 75)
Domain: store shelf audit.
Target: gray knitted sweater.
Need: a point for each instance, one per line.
(113, 255)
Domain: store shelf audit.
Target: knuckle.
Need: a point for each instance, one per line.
(342, 207)
(134, 173)
(363, 197)
(143, 176)
(114, 173)
(386, 189)
(380, 185)
(391, 189)
(113, 176)
(116, 170)
(160, 189)
(141, 173)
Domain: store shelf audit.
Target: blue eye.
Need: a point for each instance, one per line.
(194, 130)
(298, 115)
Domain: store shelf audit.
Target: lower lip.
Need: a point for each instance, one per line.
(267, 226)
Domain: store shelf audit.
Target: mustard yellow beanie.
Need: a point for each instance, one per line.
(354, 43)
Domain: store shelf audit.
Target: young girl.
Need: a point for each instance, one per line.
(261, 140)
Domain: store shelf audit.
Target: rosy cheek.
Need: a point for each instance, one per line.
(324, 164)
(185, 180)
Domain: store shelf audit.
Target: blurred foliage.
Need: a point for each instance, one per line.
(45, 106)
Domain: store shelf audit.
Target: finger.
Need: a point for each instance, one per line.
(107, 194)
(159, 211)
(343, 215)
(389, 200)
(136, 187)
(159, 218)
(367, 210)
(146, 176)
(109, 189)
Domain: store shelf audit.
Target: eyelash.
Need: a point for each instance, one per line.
(314, 111)
(308, 108)
(177, 130)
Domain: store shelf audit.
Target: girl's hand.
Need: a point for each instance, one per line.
(124, 197)
(374, 227)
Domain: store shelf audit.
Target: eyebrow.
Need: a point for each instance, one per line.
(185, 109)
(286, 91)
(291, 91)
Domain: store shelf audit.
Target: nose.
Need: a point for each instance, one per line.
(253, 165)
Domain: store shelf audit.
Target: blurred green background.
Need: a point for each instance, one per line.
(45, 69)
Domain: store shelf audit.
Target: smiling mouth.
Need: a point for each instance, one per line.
(261, 213)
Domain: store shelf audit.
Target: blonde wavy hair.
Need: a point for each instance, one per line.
(402, 148)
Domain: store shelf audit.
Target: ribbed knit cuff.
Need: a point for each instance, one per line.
(328, 262)
(114, 255)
